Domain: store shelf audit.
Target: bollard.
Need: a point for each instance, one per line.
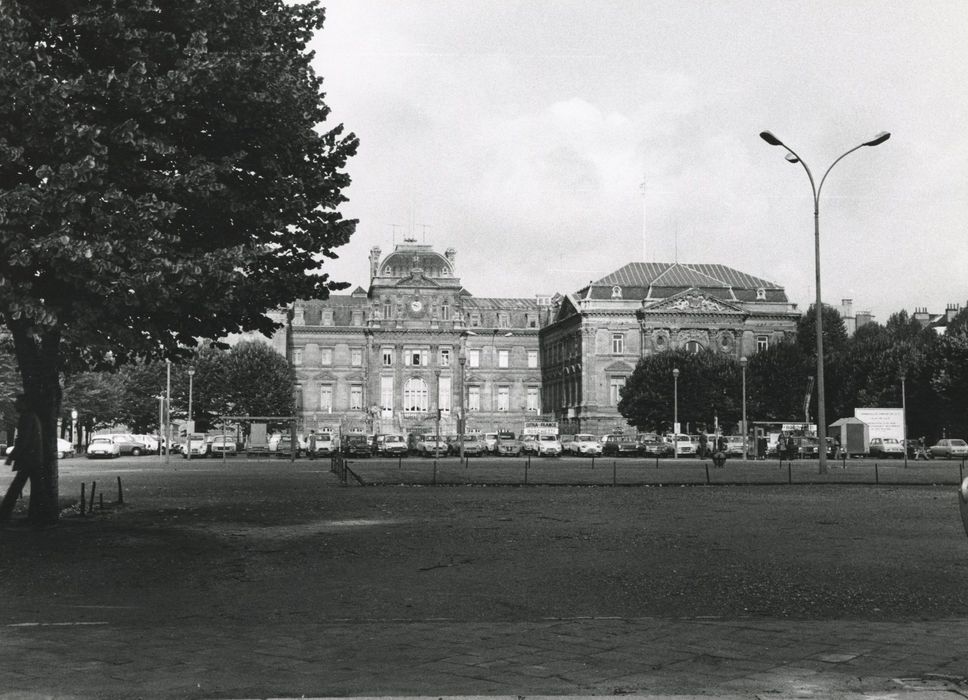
(526, 465)
(613, 472)
(93, 488)
(120, 492)
(83, 498)
(707, 472)
(789, 472)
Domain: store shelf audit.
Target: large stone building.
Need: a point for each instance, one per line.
(415, 344)
(598, 334)
(394, 357)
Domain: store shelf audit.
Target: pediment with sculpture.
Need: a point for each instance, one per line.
(692, 301)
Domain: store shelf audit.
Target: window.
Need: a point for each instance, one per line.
(415, 395)
(417, 358)
(693, 346)
(474, 358)
(760, 294)
(615, 385)
(502, 320)
(532, 359)
(503, 398)
(443, 394)
(503, 358)
(326, 398)
(762, 343)
(616, 292)
(326, 356)
(327, 318)
(618, 343)
(387, 357)
(475, 319)
(532, 404)
(445, 357)
(386, 396)
(531, 320)
(356, 397)
(297, 357)
(473, 398)
(387, 308)
(357, 318)
(356, 357)
(445, 311)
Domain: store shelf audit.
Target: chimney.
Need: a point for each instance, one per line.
(374, 261)
(847, 306)
(952, 311)
(922, 316)
(863, 318)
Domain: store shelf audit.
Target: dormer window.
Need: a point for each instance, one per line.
(616, 292)
(761, 294)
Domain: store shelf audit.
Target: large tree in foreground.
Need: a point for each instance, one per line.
(163, 178)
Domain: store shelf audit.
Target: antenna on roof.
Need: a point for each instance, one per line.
(424, 227)
(644, 252)
(393, 229)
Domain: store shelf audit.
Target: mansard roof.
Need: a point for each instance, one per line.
(661, 280)
(504, 303)
(412, 256)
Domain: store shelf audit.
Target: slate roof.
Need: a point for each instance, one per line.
(638, 274)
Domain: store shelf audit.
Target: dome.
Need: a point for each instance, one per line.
(407, 258)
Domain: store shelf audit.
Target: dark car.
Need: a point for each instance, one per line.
(620, 446)
(284, 447)
(356, 446)
(655, 446)
(474, 445)
(508, 445)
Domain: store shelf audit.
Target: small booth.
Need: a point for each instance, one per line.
(853, 434)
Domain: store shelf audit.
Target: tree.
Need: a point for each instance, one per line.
(834, 331)
(163, 178)
(949, 376)
(776, 383)
(708, 390)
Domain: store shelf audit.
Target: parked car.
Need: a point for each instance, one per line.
(548, 446)
(734, 446)
(886, 448)
(64, 449)
(474, 445)
(430, 446)
(390, 445)
(103, 446)
(195, 445)
(490, 442)
(508, 445)
(685, 447)
(620, 446)
(326, 444)
(655, 446)
(356, 445)
(949, 448)
(529, 444)
(150, 442)
(285, 447)
(582, 444)
(223, 445)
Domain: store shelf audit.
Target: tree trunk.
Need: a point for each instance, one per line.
(38, 357)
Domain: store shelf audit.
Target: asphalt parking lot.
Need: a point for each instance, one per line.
(249, 578)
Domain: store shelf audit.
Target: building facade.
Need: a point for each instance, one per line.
(597, 335)
(409, 353)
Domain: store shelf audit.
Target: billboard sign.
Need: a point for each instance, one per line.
(882, 422)
(540, 427)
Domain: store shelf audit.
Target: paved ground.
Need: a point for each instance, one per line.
(253, 579)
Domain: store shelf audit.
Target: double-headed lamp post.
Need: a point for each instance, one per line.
(675, 413)
(794, 158)
(743, 361)
(189, 429)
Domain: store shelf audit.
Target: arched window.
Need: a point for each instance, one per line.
(616, 292)
(693, 346)
(760, 293)
(415, 395)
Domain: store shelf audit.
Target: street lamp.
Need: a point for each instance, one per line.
(675, 413)
(74, 436)
(190, 428)
(794, 158)
(168, 413)
(437, 442)
(904, 415)
(743, 361)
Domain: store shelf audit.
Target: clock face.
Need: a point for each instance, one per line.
(416, 306)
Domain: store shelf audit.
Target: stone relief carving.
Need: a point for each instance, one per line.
(700, 336)
(695, 303)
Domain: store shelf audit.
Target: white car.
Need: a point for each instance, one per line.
(64, 448)
(685, 446)
(103, 446)
(584, 444)
(548, 446)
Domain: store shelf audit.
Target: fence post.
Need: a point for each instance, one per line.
(789, 472)
(877, 478)
(434, 482)
(93, 488)
(83, 498)
(120, 492)
(706, 464)
(526, 465)
(613, 472)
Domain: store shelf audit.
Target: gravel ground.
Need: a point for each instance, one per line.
(261, 542)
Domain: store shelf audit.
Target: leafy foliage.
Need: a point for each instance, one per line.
(164, 177)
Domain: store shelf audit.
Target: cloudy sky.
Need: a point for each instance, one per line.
(552, 141)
